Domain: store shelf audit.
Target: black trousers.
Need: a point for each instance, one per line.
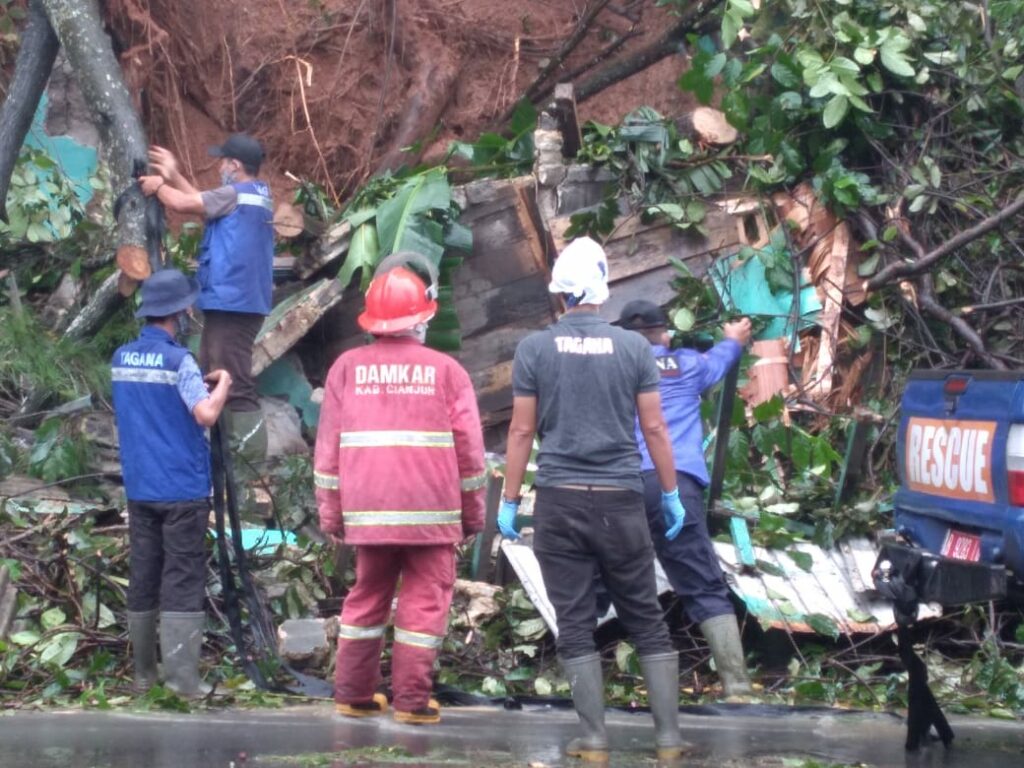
(689, 560)
(580, 530)
(167, 563)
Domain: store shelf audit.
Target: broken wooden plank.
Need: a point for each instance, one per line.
(328, 247)
(292, 319)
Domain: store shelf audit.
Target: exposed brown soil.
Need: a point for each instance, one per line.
(337, 88)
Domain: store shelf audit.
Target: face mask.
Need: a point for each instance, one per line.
(226, 178)
(181, 321)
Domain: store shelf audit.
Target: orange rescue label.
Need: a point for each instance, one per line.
(950, 458)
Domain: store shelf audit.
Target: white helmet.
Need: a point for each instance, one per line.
(581, 271)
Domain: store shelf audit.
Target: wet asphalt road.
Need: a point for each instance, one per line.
(313, 736)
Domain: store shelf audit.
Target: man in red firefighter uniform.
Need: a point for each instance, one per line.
(399, 473)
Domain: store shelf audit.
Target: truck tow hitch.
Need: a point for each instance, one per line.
(908, 577)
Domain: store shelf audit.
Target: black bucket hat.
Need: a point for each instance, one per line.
(167, 292)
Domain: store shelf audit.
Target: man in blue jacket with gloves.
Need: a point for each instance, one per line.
(579, 385)
(235, 270)
(162, 406)
(689, 560)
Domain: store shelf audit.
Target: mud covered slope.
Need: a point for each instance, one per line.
(340, 89)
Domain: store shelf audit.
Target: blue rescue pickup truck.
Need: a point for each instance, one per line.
(960, 449)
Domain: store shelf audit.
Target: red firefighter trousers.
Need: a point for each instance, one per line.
(427, 575)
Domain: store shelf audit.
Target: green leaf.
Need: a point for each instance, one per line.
(52, 618)
(59, 649)
(625, 657)
(363, 254)
(893, 59)
(1012, 73)
(802, 559)
(835, 111)
(785, 75)
(531, 629)
(25, 637)
(400, 221)
(823, 625)
(731, 26)
(864, 55)
(859, 616)
(543, 686)
(716, 65)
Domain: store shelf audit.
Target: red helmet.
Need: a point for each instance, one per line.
(396, 301)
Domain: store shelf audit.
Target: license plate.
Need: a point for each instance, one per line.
(962, 546)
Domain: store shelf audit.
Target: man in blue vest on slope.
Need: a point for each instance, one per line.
(235, 271)
(162, 407)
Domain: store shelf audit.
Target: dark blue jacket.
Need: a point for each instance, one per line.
(236, 257)
(164, 453)
(685, 374)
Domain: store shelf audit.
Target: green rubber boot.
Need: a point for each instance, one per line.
(723, 635)
(142, 634)
(587, 683)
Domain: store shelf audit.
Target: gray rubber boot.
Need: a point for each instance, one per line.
(181, 640)
(723, 635)
(587, 683)
(661, 673)
(142, 634)
(247, 436)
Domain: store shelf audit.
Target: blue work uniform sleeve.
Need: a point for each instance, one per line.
(717, 361)
(191, 386)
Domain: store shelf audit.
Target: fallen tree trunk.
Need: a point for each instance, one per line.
(39, 46)
(79, 28)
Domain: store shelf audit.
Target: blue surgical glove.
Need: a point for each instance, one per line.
(507, 518)
(673, 511)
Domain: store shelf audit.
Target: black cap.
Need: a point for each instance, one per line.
(640, 313)
(241, 147)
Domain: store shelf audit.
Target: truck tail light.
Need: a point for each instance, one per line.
(1015, 464)
(956, 385)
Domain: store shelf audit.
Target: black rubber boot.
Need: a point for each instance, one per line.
(587, 683)
(661, 673)
(723, 636)
(181, 640)
(142, 633)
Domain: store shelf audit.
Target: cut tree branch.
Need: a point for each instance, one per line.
(692, 20)
(39, 46)
(928, 302)
(534, 90)
(926, 260)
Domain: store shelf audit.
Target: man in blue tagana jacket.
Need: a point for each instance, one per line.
(689, 560)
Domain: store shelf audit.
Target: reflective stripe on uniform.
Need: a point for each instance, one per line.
(350, 632)
(144, 375)
(419, 639)
(474, 483)
(247, 198)
(396, 438)
(369, 518)
(322, 480)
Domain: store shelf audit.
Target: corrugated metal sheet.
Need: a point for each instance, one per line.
(836, 592)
